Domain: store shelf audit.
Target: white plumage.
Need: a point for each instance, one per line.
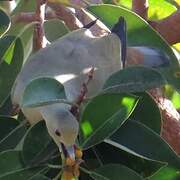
(68, 60)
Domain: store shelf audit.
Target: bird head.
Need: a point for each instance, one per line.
(62, 126)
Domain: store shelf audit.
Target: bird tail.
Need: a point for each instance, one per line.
(147, 56)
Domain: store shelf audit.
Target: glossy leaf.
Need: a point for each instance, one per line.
(156, 9)
(139, 33)
(4, 23)
(7, 124)
(40, 177)
(6, 108)
(43, 91)
(166, 172)
(176, 100)
(110, 154)
(24, 30)
(38, 145)
(11, 65)
(113, 171)
(13, 168)
(55, 29)
(25, 6)
(133, 79)
(11, 133)
(147, 112)
(10, 161)
(24, 173)
(103, 115)
(139, 140)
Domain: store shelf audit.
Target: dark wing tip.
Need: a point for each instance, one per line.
(89, 25)
(121, 31)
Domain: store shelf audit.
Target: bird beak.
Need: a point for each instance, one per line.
(69, 151)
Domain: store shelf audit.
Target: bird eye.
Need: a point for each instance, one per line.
(57, 133)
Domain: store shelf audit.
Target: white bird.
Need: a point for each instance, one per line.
(68, 60)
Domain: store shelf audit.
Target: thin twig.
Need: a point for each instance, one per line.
(84, 90)
(38, 38)
(140, 7)
(169, 27)
(65, 15)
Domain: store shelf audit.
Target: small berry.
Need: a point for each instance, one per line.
(67, 175)
(78, 153)
(69, 162)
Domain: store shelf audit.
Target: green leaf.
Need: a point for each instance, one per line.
(113, 171)
(4, 23)
(6, 108)
(24, 30)
(6, 45)
(11, 65)
(140, 33)
(139, 140)
(103, 115)
(12, 167)
(160, 9)
(24, 173)
(25, 6)
(166, 172)
(55, 29)
(156, 9)
(11, 132)
(147, 112)
(111, 154)
(40, 177)
(10, 161)
(7, 124)
(36, 94)
(38, 146)
(133, 79)
(176, 100)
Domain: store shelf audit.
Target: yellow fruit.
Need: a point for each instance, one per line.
(67, 175)
(69, 162)
(78, 153)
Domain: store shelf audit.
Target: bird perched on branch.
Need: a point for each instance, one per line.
(69, 60)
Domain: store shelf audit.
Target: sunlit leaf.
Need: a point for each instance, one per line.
(156, 9)
(165, 172)
(176, 100)
(4, 22)
(11, 64)
(103, 115)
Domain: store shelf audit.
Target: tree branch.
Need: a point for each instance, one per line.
(38, 38)
(169, 27)
(84, 90)
(171, 120)
(64, 14)
(140, 7)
